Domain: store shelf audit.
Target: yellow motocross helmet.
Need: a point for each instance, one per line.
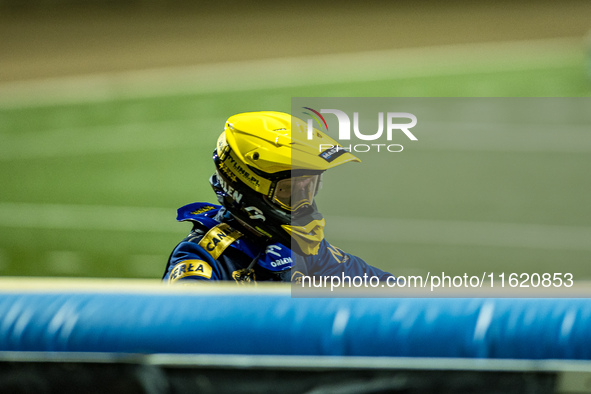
(269, 170)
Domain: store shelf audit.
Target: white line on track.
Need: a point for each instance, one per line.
(154, 136)
(3, 260)
(297, 71)
(64, 262)
(376, 230)
(124, 286)
(120, 138)
(95, 217)
(505, 137)
(142, 265)
(447, 232)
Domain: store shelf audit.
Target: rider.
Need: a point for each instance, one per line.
(267, 227)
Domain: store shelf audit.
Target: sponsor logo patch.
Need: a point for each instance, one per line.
(202, 209)
(234, 169)
(217, 239)
(332, 153)
(190, 268)
(244, 275)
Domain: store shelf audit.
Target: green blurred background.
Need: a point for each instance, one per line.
(109, 112)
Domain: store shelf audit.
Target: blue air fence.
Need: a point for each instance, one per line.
(117, 336)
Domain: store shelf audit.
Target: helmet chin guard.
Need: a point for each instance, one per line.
(262, 185)
(306, 237)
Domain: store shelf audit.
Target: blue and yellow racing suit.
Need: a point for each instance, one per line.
(216, 250)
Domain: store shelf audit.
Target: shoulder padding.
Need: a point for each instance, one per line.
(199, 212)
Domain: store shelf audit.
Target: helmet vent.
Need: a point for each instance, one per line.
(255, 156)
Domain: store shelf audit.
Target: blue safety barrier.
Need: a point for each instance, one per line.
(276, 324)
